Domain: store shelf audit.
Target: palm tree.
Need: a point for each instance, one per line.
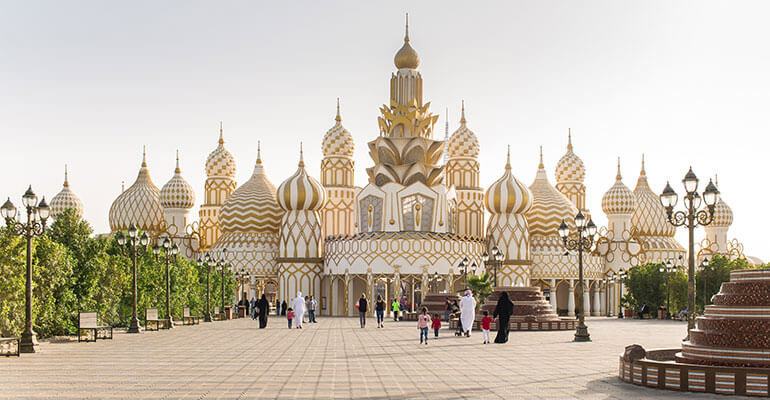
(480, 286)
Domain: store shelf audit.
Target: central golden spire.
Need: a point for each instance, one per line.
(407, 57)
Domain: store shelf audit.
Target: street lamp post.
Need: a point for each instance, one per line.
(496, 258)
(132, 241)
(37, 214)
(205, 262)
(691, 217)
(169, 250)
(583, 242)
(667, 268)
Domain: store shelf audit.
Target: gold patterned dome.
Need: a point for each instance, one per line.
(619, 199)
(66, 199)
(252, 207)
(649, 217)
(407, 57)
(507, 195)
(463, 142)
(723, 214)
(177, 193)
(549, 206)
(570, 167)
(301, 191)
(220, 162)
(338, 141)
(138, 205)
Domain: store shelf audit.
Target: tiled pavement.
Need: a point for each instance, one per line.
(336, 359)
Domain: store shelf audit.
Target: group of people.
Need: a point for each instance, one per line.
(467, 308)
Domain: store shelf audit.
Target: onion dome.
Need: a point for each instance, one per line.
(549, 206)
(177, 193)
(407, 57)
(252, 207)
(301, 191)
(138, 205)
(723, 214)
(570, 167)
(619, 199)
(649, 217)
(66, 199)
(220, 162)
(507, 195)
(463, 143)
(338, 141)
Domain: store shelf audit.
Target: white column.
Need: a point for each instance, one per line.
(586, 299)
(596, 310)
(602, 300)
(553, 294)
(571, 299)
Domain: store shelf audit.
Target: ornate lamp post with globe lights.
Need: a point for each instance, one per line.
(583, 242)
(496, 259)
(204, 262)
(132, 241)
(168, 249)
(37, 214)
(691, 217)
(668, 268)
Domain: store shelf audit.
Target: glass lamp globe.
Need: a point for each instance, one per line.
(580, 220)
(29, 199)
(669, 197)
(43, 209)
(690, 181)
(156, 249)
(8, 210)
(174, 250)
(121, 238)
(711, 194)
(143, 240)
(563, 230)
(166, 243)
(591, 228)
(132, 231)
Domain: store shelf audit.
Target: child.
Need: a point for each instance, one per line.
(486, 325)
(290, 315)
(423, 321)
(436, 325)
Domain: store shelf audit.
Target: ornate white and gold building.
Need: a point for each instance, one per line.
(406, 231)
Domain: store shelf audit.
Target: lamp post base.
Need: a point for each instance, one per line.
(134, 327)
(28, 342)
(170, 322)
(581, 333)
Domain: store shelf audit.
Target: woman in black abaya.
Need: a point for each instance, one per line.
(503, 311)
(264, 310)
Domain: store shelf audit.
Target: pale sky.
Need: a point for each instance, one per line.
(88, 83)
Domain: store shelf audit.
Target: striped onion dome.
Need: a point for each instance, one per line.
(66, 199)
(220, 162)
(463, 142)
(301, 191)
(177, 193)
(338, 141)
(723, 214)
(507, 195)
(649, 217)
(570, 167)
(252, 207)
(138, 205)
(619, 199)
(549, 206)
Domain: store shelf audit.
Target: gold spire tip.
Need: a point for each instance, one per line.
(569, 139)
(259, 152)
(618, 176)
(508, 158)
(643, 172)
(462, 112)
(66, 176)
(301, 156)
(177, 170)
(221, 134)
(406, 35)
(339, 117)
(144, 155)
(541, 158)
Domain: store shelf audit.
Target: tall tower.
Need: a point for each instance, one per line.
(462, 172)
(570, 175)
(339, 214)
(220, 184)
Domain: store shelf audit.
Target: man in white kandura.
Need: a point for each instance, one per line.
(298, 304)
(467, 312)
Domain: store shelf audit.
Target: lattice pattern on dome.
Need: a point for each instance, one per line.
(649, 217)
(253, 206)
(549, 207)
(301, 191)
(463, 142)
(570, 167)
(66, 199)
(338, 141)
(256, 252)
(220, 162)
(177, 193)
(723, 214)
(138, 205)
(619, 199)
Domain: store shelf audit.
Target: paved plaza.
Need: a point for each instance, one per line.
(336, 359)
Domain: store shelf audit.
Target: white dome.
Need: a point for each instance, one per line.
(66, 199)
(507, 195)
(138, 205)
(301, 191)
(549, 206)
(338, 141)
(177, 193)
(220, 162)
(723, 214)
(619, 199)
(570, 167)
(463, 142)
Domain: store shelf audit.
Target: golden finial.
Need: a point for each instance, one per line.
(569, 139)
(462, 112)
(407, 57)
(301, 156)
(221, 134)
(406, 35)
(259, 152)
(508, 158)
(618, 177)
(122, 186)
(339, 117)
(541, 158)
(144, 156)
(643, 172)
(716, 180)
(177, 170)
(66, 177)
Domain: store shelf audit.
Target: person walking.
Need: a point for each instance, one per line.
(362, 309)
(486, 325)
(436, 325)
(283, 307)
(448, 310)
(277, 307)
(311, 305)
(423, 322)
(396, 309)
(379, 309)
(299, 310)
(467, 312)
(290, 316)
(263, 309)
(503, 311)
(253, 304)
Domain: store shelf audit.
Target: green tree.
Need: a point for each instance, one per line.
(709, 278)
(480, 286)
(646, 285)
